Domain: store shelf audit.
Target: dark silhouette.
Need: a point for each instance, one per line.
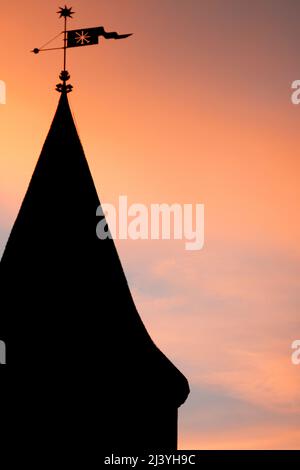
(68, 319)
(90, 36)
(112, 35)
(65, 12)
(78, 37)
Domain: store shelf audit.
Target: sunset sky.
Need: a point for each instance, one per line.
(194, 108)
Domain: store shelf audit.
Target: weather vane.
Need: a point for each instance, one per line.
(75, 38)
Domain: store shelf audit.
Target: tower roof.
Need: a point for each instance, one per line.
(69, 301)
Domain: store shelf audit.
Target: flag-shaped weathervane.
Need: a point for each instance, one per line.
(76, 38)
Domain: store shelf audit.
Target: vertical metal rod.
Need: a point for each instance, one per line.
(65, 44)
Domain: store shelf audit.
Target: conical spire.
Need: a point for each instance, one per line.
(67, 301)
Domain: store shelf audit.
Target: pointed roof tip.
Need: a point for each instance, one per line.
(63, 101)
(63, 96)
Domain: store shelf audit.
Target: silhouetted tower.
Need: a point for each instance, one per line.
(68, 317)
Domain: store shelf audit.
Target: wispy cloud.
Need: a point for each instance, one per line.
(227, 318)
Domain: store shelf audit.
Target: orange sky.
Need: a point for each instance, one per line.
(194, 108)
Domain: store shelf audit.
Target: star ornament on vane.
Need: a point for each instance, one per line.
(65, 12)
(83, 38)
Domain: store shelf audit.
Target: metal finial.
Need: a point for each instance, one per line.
(63, 87)
(76, 38)
(65, 12)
